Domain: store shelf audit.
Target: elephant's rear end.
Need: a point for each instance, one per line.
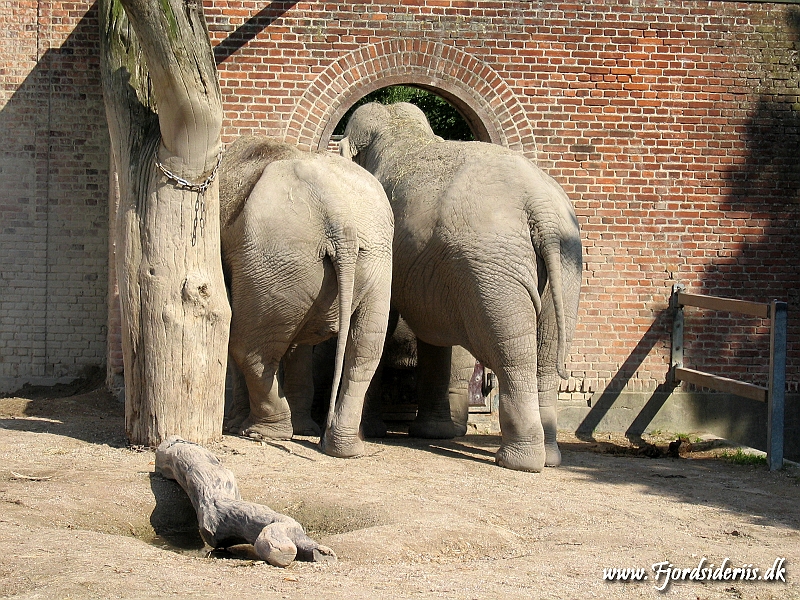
(307, 247)
(357, 207)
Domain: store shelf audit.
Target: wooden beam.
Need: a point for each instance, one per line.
(777, 386)
(722, 384)
(755, 309)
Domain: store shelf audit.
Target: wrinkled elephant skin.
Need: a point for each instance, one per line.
(488, 256)
(306, 250)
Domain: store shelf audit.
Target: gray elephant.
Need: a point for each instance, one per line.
(487, 255)
(394, 383)
(306, 249)
(399, 356)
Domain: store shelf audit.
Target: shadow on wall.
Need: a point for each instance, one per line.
(763, 207)
(248, 30)
(53, 230)
(763, 201)
(602, 417)
(764, 190)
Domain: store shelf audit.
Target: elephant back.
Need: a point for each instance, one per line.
(241, 168)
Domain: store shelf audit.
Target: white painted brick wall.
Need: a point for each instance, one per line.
(53, 198)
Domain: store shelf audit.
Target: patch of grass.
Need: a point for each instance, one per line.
(688, 438)
(739, 457)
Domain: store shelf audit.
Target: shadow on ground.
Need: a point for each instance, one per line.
(82, 410)
(696, 477)
(691, 471)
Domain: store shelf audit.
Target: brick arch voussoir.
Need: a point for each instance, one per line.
(479, 92)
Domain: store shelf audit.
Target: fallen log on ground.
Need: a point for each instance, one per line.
(224, 518)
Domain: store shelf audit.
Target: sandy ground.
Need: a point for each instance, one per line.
(82, 515)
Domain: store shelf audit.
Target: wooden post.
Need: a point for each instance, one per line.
(777, 385)
(676, 355)
(174, 310)
(224, 518)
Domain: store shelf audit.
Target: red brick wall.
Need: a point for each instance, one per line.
(673, 125)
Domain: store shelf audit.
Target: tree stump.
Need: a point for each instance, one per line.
(224, 518)
(174, 310)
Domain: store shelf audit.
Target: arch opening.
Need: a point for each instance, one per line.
(478, 93)
(445, 118)
(476, 119)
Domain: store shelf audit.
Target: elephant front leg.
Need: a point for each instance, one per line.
(433, 382)
(462, 371)
(239, 409)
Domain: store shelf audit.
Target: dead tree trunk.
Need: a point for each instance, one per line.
(175, 314)
(224, 518)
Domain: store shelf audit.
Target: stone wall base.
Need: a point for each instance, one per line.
(731, 417)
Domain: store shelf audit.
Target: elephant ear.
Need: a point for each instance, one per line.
(345, 149)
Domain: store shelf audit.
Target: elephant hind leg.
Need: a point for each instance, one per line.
(270, 417)
(523, 437)
(372, 423)
(548, 411)
(363, 351)
(343, 438)
(548, 377)
(433, 419)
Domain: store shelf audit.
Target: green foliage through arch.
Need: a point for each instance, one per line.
(443, 117)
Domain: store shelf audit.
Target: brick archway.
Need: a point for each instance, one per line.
(475, 89)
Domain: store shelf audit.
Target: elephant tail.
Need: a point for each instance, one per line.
(552, 261)
(343, 255)
(556, 241)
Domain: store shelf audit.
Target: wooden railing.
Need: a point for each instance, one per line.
(773, 394)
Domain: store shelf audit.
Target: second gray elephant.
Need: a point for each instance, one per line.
(306, 249)
(394, 384)
(488, 256)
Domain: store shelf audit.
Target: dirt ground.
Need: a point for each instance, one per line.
(83, 515)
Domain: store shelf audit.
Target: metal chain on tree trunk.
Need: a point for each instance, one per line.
(198, 188)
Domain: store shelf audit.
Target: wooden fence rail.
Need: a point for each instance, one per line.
(773, 394)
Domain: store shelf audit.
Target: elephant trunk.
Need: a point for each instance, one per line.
(343, 255)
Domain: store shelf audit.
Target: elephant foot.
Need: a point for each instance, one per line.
(305, 425)
(432, 429)
(233, 423)
(460, 429)
(552, 455)
(267, 430)
(521, 456)
(341, 445)
(373, 427)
